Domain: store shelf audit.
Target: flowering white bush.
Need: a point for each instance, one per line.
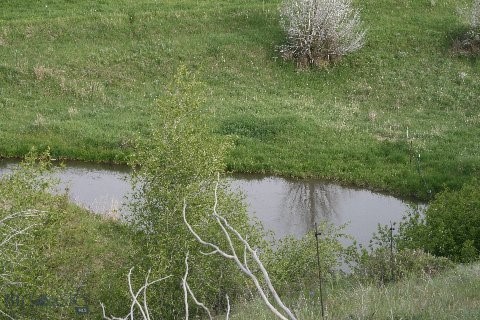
(468, 43)
(320, 31)
(475, 15)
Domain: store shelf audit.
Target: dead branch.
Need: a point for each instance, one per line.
(226, 227)
(187, 290)
(12, 231)
(142, 307)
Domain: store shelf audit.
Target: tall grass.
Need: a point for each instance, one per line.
(452, 295)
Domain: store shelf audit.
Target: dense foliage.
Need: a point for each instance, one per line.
(345, 124)
(293, 264)
(381, 265)
(450, 227)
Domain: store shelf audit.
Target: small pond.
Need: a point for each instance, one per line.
(284, 206)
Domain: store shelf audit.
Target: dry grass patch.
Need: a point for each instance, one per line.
(41, 72)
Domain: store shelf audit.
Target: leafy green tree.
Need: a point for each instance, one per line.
(180, 160)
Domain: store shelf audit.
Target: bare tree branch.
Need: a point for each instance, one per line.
(6, 315)
(228, 307)
(187, 290)
(226, 227)
(12, 230)
(143, 308)
(248, 251)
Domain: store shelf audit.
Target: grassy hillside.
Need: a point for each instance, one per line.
(81, 77)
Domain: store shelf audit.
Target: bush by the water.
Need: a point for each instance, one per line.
(381, 265)
(55, 256)
(293, 265)
(450, 226)
(320, 31)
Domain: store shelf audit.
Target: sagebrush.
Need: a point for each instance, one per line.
(320, 31)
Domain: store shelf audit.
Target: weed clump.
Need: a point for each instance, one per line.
(381, 266)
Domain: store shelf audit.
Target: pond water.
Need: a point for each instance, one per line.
(284, 206)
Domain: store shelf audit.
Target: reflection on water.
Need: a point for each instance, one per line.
(308, 198)
(291, 207)
(102, 189)
(284, 206)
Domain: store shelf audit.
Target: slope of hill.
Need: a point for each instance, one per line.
(400, 115)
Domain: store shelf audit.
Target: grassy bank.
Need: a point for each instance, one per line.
(452, 295)
(81, 78)
(66, 260)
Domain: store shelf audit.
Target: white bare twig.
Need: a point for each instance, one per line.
(9, 230)
(6, 315)
(13, 231)
(187, 290)
(227, 229)
(228, 308)
(142, 308)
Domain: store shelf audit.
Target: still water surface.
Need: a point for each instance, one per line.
(284, 206)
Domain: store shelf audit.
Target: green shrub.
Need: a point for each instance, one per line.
(381, 266)
(69, 257)
(293, 265)
(450, 226)
(20, 215)
(389, 259)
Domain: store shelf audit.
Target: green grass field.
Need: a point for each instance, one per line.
(81, 77)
